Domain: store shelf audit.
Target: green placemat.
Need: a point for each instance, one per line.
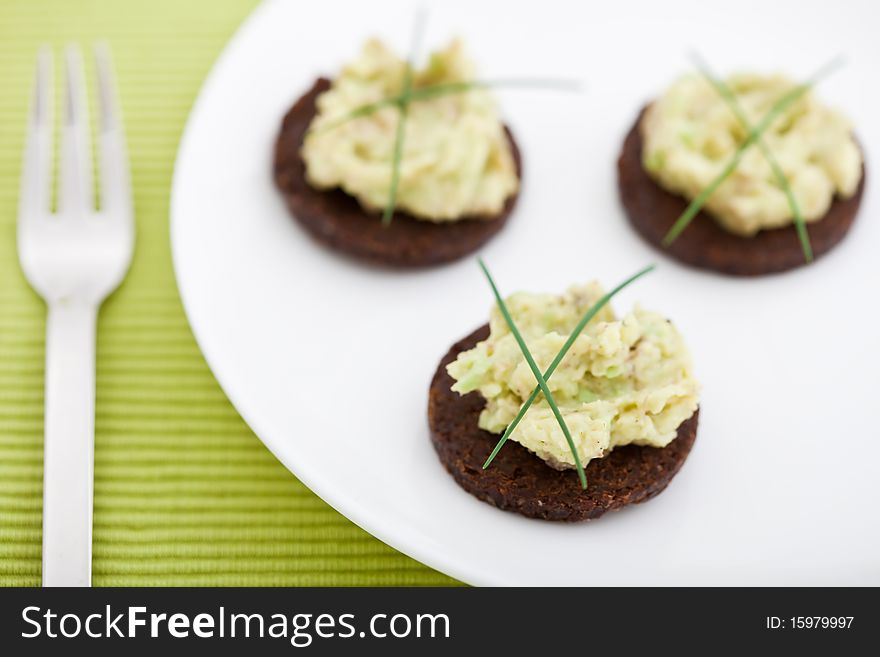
(185, 494)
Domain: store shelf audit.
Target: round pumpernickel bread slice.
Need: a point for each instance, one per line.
(519, 481)
(338, 220)
(704, 243)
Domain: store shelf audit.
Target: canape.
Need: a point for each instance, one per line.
(399, 167)
(624, 390)
(777, 176)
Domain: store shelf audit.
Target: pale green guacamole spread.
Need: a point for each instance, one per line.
(690, 134)
(456, 160)
(624, 380)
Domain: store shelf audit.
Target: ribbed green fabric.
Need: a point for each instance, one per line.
(185, 494)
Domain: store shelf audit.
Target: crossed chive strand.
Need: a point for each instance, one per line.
(736, 108)
(581, 325)
(403, 101)
(402, 111)
(753, 136)
(439, 90)
(396, 158)
(542, 383)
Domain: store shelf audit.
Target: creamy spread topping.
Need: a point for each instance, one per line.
(690, 134)
(456, 161)
(624, 381)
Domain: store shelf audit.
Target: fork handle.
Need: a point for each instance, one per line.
(69, 444)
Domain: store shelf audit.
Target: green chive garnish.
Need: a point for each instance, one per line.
(542, 383)
(403, 110)
(578, 329)
(445, 89)
(754, 135)
(395, 164)
(356, 113)
(449, 88)
(733, 104)
(409, 95)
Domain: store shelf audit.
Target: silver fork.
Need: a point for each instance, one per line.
(73, 258)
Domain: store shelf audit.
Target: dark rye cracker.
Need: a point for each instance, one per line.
(519, 481)
(652, 210)
(338, 220)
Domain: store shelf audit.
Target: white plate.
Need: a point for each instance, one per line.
(329, 361)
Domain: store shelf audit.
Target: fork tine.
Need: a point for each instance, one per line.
(115, 188)
(36, 187)
(76, 166)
